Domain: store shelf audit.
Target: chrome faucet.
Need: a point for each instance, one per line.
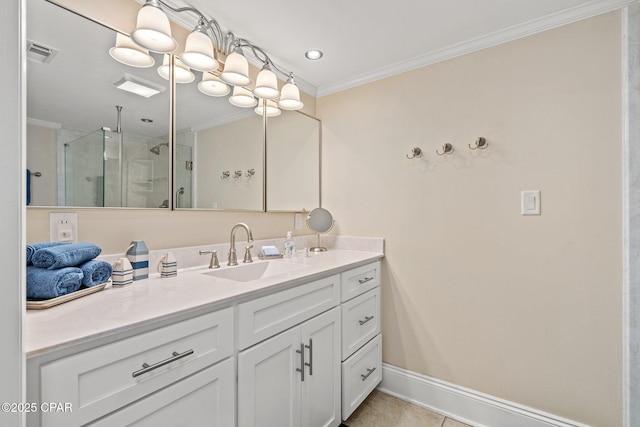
(233, 259)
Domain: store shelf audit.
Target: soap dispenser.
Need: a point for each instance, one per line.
(138, 255)
(289, 246)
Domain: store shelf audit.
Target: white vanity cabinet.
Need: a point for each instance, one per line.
(302, 353)
(361, 337)
(291, 379)
(101, 380)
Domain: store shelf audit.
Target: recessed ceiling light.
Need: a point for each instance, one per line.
(313, 54)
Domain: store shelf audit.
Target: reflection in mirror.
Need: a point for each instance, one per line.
(320, 220)
(88, 152)
(220, 152)
(293, 162)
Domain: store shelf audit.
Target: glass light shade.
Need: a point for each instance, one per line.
(272, 108)
(242, 98)
(290, 97)
(183, 73)
(153, 31)
(266, 85)
(212, 85)
(236, 70)
(198, 53)
(129, 53)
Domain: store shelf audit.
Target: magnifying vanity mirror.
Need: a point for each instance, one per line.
(320, 220)
(84, 151)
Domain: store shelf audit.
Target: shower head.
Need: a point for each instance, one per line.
(156, 149)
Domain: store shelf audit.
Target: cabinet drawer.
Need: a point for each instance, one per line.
(103, 379)
(360, 321)
(361, 373)
(208, 395)
(359, 280)
(264, 317)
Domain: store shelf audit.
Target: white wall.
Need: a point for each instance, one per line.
(12, 170)
(527, 309)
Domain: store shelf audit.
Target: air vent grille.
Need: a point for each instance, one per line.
(40, 53)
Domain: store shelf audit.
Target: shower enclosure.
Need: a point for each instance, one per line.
(116, 169)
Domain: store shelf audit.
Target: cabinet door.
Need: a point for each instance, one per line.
(205, 398)
(269, 383)
(320, 398)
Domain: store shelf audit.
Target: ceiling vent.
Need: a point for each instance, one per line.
(40, 53)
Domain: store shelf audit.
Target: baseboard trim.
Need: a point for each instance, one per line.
(465, 405)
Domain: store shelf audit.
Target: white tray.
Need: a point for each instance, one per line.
(39, 305)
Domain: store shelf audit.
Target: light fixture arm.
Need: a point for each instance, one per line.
(224, 43)
(206, 24)
(265, 59)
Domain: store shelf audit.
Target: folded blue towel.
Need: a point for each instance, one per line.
(32, 248)
(95, 272)
(69, 255)
(47, 284)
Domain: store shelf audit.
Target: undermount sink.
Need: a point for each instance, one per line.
(255, 271)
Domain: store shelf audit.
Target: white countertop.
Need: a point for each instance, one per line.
(115, 310)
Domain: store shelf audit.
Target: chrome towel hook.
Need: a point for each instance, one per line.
(446, 149)
(480, 143)
(416, 152)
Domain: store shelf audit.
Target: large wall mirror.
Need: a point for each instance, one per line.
(84, 151)
(78, 152)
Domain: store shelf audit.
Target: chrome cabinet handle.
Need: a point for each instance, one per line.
(369, 372)
(310, 364)
(148, 368)
(366, 319)
(365, 280)
(301, 369)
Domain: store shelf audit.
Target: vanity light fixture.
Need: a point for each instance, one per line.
(266, 84)
(290, 96)
(153, 30)
(271, 108)
(129, 53)
(242, 98)
(236, 69)
(204, 43)
(198, 53)
(183, 73)
(212, 85)
(138, 86)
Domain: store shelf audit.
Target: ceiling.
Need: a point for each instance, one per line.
(365, 40)
(362, 41)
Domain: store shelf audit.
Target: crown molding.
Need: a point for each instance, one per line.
(558, 19)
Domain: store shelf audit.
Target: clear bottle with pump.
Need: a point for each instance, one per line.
(289, 246)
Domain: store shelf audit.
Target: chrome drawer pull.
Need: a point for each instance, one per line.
(310, 364)
(301, 369)
(369, 372)
(366, 319)
(148, 368)
(365, 280)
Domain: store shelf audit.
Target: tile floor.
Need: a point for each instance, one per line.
(382, 410)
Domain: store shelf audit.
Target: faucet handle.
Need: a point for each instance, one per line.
(213, 263)
(247, 254)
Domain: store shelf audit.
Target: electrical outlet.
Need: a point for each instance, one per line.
(297, 221)
(63, 227)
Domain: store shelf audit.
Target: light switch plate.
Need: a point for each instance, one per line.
(530, 202)
(297, 221)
